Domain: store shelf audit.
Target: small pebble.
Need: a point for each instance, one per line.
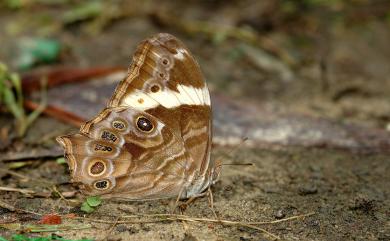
(121, 228)
(280, 214)
(362, 203)
(314, 223)
(307, 189)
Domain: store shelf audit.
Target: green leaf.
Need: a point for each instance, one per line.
(94, 201)
(35, 51)
(11, 96)
(61, 160)
(19, 237)
(10, 102)
(86, 208)
(16, 165)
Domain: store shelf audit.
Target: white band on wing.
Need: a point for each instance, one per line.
(186, 95)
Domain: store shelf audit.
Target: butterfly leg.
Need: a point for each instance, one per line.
(177, 200)
(211, 201)
(184, 206)
(209, 193)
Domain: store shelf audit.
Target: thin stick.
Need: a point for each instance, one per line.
(27, 192)
(111, 229)
(286, 219)
(14, 174)
(53, 228)
(11, 189)
(62, 197)
(168, 215)
(21, 176)
(226, 222)
(154, 215)
(13, 208)
(261, 230)
(187, 218)
(7, 206)
(118, 222)
(175, 217)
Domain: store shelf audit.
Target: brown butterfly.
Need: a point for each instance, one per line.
(153, 139)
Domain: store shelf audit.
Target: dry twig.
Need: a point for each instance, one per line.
(16, 174)
(12, 189)
(111, 229)
(7, 206)
(174, 217)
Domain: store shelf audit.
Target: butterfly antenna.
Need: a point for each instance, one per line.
(220, 157)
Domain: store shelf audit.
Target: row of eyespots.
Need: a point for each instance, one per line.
(119, 125)
(142, 123)
(167, 64)
(98, 167)
(110, 136)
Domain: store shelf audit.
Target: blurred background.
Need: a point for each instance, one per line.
(326, 58)
(291, 73)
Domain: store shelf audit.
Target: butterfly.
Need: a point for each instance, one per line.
(153, 140)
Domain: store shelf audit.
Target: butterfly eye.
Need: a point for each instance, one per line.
(144, 124)
(97, 168)
(102, 185)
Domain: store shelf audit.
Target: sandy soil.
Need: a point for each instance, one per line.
(346, 193)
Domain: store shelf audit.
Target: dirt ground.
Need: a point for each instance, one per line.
(347, 193)
(330, 63)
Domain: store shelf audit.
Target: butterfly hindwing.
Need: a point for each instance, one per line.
(112, 150)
